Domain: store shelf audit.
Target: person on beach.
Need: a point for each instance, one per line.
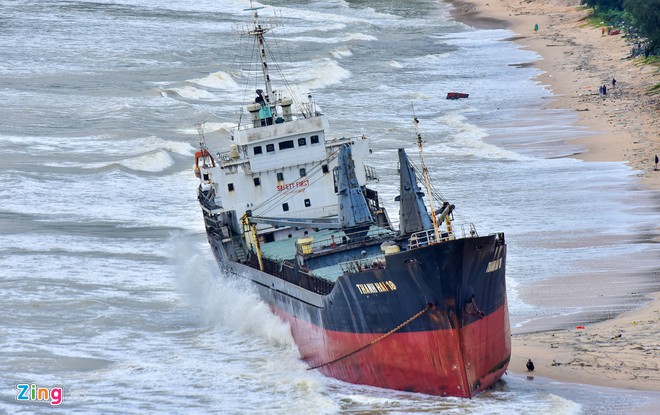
(536, 28)
(602, 31)
(530, 365)
(613, 82)
(604, 90)
(600, 90)
(656, 162)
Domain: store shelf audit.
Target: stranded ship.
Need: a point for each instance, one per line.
(421, 309)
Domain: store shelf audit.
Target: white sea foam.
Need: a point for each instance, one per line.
(346, 38)
(341, 53)
(152, 162)
(467, 139)
(321, 75)
(217, 80)
(190, 92)
(225, 301)
(229, 303)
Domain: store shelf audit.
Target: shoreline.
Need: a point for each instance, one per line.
(624, 125)
(626, 122)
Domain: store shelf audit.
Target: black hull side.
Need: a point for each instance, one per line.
(434, 320)
(450, 276)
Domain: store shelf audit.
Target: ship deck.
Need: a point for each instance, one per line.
(329, 249)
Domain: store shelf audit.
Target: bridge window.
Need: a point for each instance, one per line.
(286, 144)
(230, 187)
(314, 139)
(257, 150)
(285, 207)
(270, 148)
(302, 142)
(280, 176)
(257, 181)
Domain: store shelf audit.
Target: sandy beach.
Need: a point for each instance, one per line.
(624, 125)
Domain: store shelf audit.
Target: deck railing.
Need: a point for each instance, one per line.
(363, 264)
(427, 237)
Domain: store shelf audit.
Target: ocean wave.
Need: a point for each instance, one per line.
(341, 53)
(189, 92)
(226, 302)
(358, 36)
(209, 127)
(467, 140)
(346, 38)
(217, 80)
(321, 19)
(152, 162)
(320, 75)
(79, 151)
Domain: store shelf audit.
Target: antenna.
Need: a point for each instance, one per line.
(200, 131)
(258, 31)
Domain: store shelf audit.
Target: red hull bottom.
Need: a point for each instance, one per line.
(454, 362)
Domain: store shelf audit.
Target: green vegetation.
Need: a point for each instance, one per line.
(640, 18)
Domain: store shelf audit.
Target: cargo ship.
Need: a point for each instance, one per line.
(422, 308)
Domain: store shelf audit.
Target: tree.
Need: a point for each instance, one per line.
(604, 5)
(646, 15)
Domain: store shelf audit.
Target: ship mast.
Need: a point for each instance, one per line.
(200, 131)
(427, 182)
(258, 32)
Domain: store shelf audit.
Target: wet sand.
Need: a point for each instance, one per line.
(623, 125)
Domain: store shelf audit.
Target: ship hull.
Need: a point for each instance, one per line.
(431, 362)
(434, 320)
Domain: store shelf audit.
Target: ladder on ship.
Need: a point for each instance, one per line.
(238, 249)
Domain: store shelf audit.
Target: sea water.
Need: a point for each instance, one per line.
(109, 290)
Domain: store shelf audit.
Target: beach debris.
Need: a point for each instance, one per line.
(530, 365)
(579, 327)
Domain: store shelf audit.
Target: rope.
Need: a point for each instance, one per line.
(397, 328)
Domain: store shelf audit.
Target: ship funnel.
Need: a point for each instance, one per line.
(286, 109)
(353, 208)
(254, 114)
(413, 216)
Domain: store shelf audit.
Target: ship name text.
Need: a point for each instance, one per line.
(376, 287)
(294, 185)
